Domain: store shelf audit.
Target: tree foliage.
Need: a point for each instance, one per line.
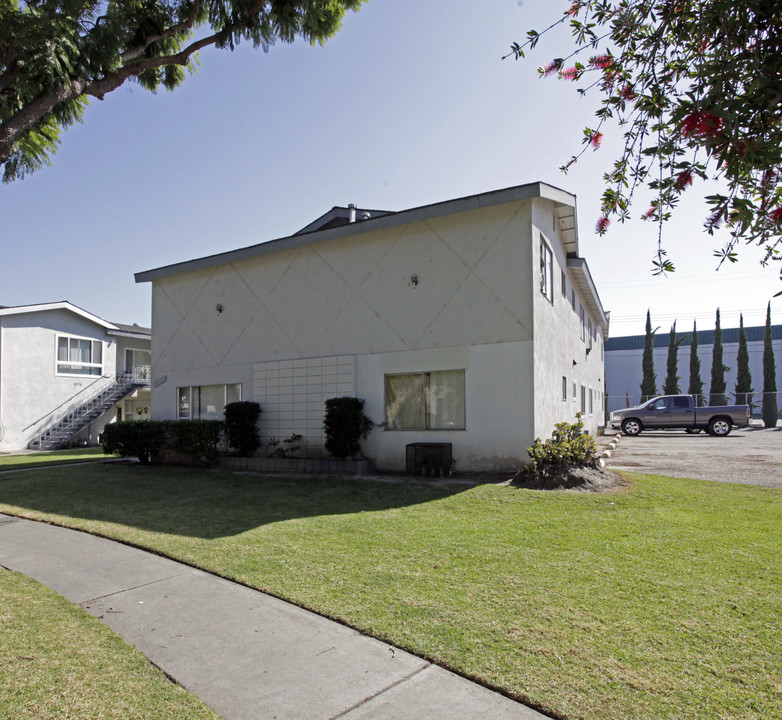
(769, 410)
(695, 388)
(696, 88)
(671, 385)
(718, 368)
(743, 375)
(649, 378)
(56, 54)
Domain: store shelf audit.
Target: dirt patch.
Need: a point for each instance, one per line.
(577, 478)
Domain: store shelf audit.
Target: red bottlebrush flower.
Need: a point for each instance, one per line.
(776, 215)
(627, 92)
(703, 124)
(574, 8)
(596, 139)
(569, 73)
(650, 212)
(601, 61)
(602, 224)
(551, 68)
(683, 179)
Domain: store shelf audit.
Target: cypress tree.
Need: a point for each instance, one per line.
(743, 375)
(769, 411)
(649, 382)
(671, 385)
(718, 385)
(696, 384)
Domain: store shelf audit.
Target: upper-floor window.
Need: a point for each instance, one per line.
(546, 270)
(425, 401)
(79, 356)
(564, 284)
(583, 321)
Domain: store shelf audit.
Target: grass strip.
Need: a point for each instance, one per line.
(58, 662)
(55, 457)
(662, 600)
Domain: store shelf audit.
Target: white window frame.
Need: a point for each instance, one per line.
(193, 393)
(546, 269)
(427, 400)
(90, 366)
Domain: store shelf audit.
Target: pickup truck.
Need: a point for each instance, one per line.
(679, 411)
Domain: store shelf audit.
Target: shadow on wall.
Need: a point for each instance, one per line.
(199, 503)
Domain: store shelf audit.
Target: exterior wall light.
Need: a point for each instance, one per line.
(219, 308)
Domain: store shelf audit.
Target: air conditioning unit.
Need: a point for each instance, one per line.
(429, 458)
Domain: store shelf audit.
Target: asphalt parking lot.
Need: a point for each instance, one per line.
(751, 456)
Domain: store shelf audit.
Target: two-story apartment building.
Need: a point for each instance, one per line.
(472, 322)
(65, 373)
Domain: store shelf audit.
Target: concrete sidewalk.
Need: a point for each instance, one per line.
(246, 654)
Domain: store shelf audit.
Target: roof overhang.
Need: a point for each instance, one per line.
(583, 280)
(392, 219)
(64, 305)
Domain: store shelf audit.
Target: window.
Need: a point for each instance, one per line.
(583, 321)
(79, 356)
(206, 402)
(573, 299)
(564, 388)
(546, 270)
(425, 401)
(575, 389)
(583, 400)
(564, 284)
(591, 401)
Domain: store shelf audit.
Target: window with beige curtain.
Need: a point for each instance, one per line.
(425, 401)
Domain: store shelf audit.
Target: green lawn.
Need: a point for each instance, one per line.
(661, 600)
(56, 457)
(57, 662)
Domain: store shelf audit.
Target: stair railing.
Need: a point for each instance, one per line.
(75, 404)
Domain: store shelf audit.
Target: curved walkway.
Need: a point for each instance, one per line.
(246, 654)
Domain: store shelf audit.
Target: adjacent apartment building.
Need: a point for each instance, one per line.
(65, 373)
(473, 323)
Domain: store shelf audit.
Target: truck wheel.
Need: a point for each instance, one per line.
(719, 427)
(631, 427)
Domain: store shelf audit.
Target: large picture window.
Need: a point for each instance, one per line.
(425, 401)
(206, 402)
(79, 356)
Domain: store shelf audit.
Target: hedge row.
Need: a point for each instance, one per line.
(144, 440)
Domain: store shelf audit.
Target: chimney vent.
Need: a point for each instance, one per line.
(352, 209)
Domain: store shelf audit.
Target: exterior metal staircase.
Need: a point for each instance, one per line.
(75, 420)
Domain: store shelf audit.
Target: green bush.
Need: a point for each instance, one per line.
(145, 438)
(569, 447)
(345, 424)
(241, 426)
(197, 438)
(130, 438)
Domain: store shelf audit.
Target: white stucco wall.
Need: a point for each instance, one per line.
(559, 350)
(30, 386)
(458, 283)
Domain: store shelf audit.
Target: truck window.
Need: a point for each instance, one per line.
(660, 404)
(681, 403)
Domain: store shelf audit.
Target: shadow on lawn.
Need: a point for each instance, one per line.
(206, 504)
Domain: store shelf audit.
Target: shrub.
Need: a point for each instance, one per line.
(241, 426)
(569, 447)
(130, 438)
(345, 424)
(197, 438)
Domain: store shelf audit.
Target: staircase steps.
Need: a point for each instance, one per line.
(75, 421)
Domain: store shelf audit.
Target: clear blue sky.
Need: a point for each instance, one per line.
(409, 104)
